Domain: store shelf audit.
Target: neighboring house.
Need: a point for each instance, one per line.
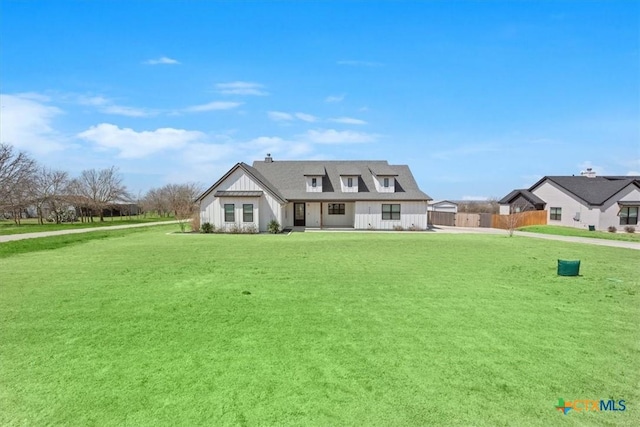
(443, 206)
(580, 201)
(319, 194)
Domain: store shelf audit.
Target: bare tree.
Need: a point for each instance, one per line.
(516, 216)
(181, 198)
(50, 187)
(100, 189)
(17, 171)
(156, 200)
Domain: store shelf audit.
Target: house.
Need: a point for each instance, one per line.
(319, 194)
(580, 201)
(442, 206)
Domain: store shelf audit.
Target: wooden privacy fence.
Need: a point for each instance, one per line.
(520, 219)
(467, 220)
(442, 218)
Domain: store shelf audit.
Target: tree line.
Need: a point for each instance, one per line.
(29, 189)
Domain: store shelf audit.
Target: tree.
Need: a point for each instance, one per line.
(516, 216)
(177, 199)
(99, 189)
(181, 199)
(50, 187)
(16, 181)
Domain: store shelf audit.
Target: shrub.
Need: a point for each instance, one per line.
(414, 228)
(250, 229)
(630, 229)
(273, 227)
(207, 227)
(234, 229)
(398, 228)
(195, 222)
(612, 229)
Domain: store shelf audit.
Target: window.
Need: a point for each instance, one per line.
(247, 213)
(336, 208)
(314, 182)
(349, 182)
(229, 213)
(629, 216)
(391, 211)
(386, 182)
(555, 214)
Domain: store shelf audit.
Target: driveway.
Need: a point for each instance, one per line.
(13, 237)
(584, 240)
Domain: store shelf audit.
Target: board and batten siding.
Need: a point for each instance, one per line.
(266, 207)
(345, 220)
(368, 215)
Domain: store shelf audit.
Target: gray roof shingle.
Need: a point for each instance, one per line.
(595, 191)
(287, 178)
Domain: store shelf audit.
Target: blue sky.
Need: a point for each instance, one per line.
(477, 98)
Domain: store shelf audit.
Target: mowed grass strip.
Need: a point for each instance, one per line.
(31, 225)
(337, 329)
(578, 232)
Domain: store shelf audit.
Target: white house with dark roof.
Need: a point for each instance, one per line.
(358, 194)
(580, 201)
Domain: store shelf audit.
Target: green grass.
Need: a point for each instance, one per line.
(578, 232)
(31, 225)
(338, 329)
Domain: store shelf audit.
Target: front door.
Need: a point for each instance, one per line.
(298, 214)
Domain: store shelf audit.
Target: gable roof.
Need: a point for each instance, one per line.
(251, 172)
(288, 178)
(526, 194)
(594, 191)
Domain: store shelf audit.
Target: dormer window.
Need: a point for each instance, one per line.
(386, 182)
(349, 182)
(314, 182)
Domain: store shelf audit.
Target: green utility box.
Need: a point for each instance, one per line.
(568, 268)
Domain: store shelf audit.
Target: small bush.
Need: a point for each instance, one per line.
(398, 228)
(612, 229)
(250, 229)
(273, 227)
(414, 228)
(234, 229)
(630, 229)
(195, 222)
(207, 227)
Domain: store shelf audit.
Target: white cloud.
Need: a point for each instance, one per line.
(278, 147)
(126, 111)
(241, 88)
(332, 136)
(213, 106)
(334, 98)
(360, 63)
(27, 123)
(306, 117)
(107, 106)
(633, 173)
(483, 198)
(162, 60)
(279, 116)
(132, 144)
(348, 121)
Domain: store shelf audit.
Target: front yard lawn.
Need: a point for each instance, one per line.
(319, 329)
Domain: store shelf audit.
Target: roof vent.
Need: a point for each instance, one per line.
(268, 159)
(589, 173)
